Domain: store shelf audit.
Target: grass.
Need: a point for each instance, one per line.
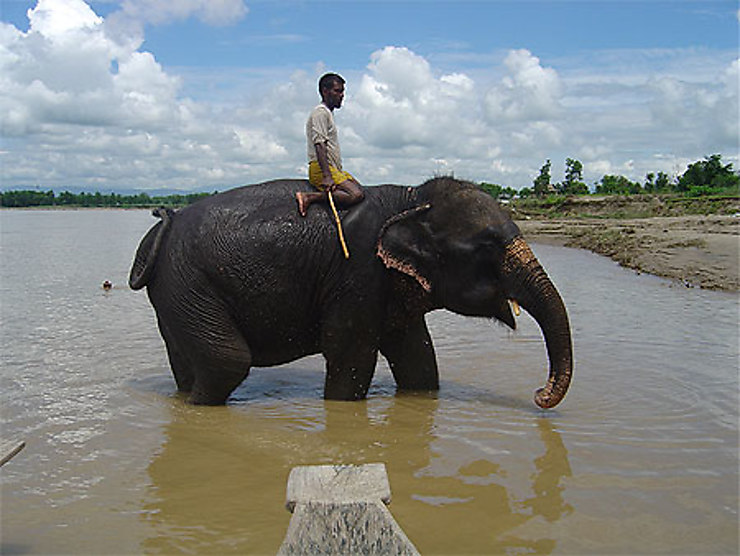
(623, 206)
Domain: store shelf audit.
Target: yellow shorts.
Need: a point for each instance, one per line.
(315, 175)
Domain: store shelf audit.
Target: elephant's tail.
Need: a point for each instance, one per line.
(146, 255)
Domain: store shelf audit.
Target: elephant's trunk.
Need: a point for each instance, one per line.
(533, 290)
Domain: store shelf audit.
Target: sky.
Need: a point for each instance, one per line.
(204, 95)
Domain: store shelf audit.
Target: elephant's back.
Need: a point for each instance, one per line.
(267, 210)
(250, 248)
(261, 223)
(274, 198)
(250, 233)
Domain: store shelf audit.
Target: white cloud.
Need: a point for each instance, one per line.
(529, 92)
(135, 14)
(402, 109)
(62, 19)
(62, 72)
(710, 112)
(213, 12)
(85, 107)
(82, 103)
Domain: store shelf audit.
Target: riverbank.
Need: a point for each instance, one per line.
(693, 250)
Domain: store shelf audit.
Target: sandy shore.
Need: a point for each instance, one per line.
(696, 251)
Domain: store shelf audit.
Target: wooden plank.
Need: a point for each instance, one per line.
(338, 483)
(354, 528)
(341, 509)
(9, 448)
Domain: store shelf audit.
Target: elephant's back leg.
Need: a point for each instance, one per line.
(208, 353)
(221, 359)
(182, 369)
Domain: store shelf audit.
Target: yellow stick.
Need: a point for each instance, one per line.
(339, 225)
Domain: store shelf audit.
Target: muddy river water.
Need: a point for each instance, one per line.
(641, 457)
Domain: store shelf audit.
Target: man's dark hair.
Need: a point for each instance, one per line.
(327, 81)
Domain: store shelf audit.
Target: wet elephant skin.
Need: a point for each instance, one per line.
(240, 279)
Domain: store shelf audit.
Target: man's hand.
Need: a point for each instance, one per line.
(328, 184)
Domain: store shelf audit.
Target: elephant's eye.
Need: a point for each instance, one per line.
(491, 238)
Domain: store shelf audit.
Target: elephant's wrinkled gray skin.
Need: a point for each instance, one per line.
(240, 279)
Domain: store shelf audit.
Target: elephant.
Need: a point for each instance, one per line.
(241, 279)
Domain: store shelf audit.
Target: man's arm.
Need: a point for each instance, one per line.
(327, 181)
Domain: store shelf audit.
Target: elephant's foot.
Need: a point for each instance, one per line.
(344, 396)
(214, 383)
(184, 382)
(349, 382)
(201, 398)
(215, 390)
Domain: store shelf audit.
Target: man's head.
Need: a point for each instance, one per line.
(331, 89)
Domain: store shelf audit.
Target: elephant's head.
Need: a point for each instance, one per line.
(470, 258)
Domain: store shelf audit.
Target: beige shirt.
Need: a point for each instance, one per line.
(320, 128)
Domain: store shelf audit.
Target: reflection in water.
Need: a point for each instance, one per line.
(218, 481)
(548, 501)
(552, 466)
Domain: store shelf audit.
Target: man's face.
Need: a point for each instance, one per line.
(334, 95)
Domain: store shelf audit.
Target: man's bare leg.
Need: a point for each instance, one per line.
(346, 194)
(306, 199)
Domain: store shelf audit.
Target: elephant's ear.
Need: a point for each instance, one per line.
(405, 244)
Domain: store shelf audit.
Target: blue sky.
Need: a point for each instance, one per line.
(203, 94)
(276, 31)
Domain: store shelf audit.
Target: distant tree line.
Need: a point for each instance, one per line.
(30, 198)
(705, 177)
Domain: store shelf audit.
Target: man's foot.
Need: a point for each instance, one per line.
(302, 205)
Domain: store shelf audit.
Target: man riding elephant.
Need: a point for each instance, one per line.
(324, 155)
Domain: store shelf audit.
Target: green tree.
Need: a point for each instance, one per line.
(33, 198)
(66, 198)
(659, 183)
(706, 175)
(542, 185)
(649, 182)
(508, 193)
(494, 190)
(27, 198)
(662, 182)
(573, 183)
(617, 185)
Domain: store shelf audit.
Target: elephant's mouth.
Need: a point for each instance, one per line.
(506, 311)
(502, 311)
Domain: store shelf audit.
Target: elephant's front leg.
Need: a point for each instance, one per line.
(410, 353)
(349, 380)
(350, 346)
